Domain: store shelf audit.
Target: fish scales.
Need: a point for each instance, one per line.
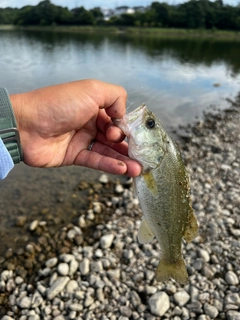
(163, 191)
(167, 207)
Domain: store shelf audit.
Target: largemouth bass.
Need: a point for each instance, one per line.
(162, 189)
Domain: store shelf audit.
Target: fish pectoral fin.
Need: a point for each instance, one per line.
(172, 270)
(191, 229)
(135, 194)
(145, 234)
(150, 182)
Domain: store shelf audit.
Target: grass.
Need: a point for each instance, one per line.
(80, 29)
(6, 27)
(151, 32)
(162, 32)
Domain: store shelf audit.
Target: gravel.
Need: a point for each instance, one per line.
(94, 268)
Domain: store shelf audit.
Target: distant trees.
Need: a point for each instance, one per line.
(45, 13)
(7, 16)
(193, 14)
(208, 14)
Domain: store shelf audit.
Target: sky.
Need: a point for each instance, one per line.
(88, 4)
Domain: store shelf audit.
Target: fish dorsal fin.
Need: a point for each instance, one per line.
(145, 234)
(150, 182)
(191, 229)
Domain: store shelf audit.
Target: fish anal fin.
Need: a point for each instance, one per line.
(191, 228)
(150, 182)
(145, 234)
(172, 270)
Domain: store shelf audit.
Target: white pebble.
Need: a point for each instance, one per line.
(63, 269)
(103, 179)
(88, 301)
(59, 317)
(71, 286)
(231, 278)
(36, 299)
(42, 223)
(98, 253)
(97, 207)
(84, 266)
(24, 303)
(73, 266)
(82, 222)
(96, 266)
(66, 257)
(114, 273)
(33, 225)
(45, 272)
(106, 241)
(34, 317)
(71, 234)
(50, 263)
(204, 254)
(128, 254)
(41, 288)
(57, 287)
(72, 315)
(76, 307)
(6, 274)
(47, 310)
(88, 252)
(119, 188)
(181, 298)
(90, 215)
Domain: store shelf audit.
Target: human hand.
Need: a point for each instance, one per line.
(58, 123)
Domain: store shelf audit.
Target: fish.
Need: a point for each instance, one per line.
(163, 190)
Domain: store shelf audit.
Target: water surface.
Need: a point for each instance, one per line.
(178, 79)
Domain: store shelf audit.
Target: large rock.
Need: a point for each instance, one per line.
(159, 303)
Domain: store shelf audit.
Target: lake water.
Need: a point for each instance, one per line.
(178, 79)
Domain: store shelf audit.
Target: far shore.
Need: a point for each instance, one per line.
(153, 32)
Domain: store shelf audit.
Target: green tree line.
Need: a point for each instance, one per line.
(193, 14)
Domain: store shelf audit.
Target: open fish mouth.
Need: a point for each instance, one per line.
(131, 120)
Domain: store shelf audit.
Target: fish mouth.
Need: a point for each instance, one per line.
(131, 120)
(138, 113)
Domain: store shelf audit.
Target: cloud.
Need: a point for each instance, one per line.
(75, 3)
(93, 3)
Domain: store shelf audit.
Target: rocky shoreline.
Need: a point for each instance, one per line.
(94, 267)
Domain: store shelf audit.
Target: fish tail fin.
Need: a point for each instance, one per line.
(175, 270)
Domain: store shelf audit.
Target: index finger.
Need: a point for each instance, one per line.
(106, 126)
(110, 97)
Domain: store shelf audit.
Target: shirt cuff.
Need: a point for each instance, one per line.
(6, 162)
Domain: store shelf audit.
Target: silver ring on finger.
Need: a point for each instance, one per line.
(91, 145)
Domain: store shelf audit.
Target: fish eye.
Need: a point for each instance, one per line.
(150, 123)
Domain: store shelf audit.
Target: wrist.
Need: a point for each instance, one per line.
(8, 127)
(16, 106)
